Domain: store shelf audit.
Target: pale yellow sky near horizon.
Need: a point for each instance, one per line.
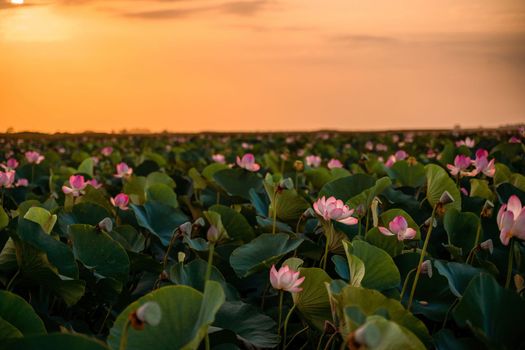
(193, 65)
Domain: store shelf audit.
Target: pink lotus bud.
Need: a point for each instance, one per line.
(334, 209)
(7, 178)
(399, 227)
(121, 201)
(286, 279)
(213, 234)
(34, 157)
(106, 151)
(123, 170)
(511, 220)
(248, 162)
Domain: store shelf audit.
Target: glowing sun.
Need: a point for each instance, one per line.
(17, 2)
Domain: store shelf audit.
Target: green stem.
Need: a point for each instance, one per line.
(325, 256)
(421, 257)
(330, 340)
(294, 336)
(367, 220)
(509, 264)
(286, 324)
(9, 285)
(124, 336)
(172, 241)
(207, 342)
(281, 294)
(210, 262)
(274, 205)
(405, 284)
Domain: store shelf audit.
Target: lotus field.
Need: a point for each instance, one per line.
(401, 240)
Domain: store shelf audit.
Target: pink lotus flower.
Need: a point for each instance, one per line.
(511, 220)
(468, 142)
(77, 183)
(94, 183)
(334, 209)
(399, 155)
(248, 162)
(369, 146)
(7, 178)
(381, 147)
(482, 163)
(11, 164)
(106, 151)
(22, 183)
(286, 279)
(334, 163)
(121, 201)
(34, 157)
(398, 226)
(313, 161)
(461, 164)
(246, 145)
(218, 158)
(123, 170)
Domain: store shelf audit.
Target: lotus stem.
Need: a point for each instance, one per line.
(11, 281)
(295, 335)
(207, 342)
(210, 262)
(286, 324)
(325, 256)
(421, 257)
(274, 212)
(405, 284)
(124, 336)
(281, 295)
(170, 245)
(509, 264)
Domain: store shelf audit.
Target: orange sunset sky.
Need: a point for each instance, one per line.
(256, 65)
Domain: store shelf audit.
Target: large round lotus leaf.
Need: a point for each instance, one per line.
(7, 330)
(446, 339)
(461, 229)
(262, 252)
(347, 187)
(211, 169)
(238, 182)
(381, 334)
(365, 198)
(438, 181)
(406, 174)
(89, 213)
(381, 272)
(235, 223)
(99, 253)
(42, 217)
(162, 193)
(4, 219)
(313, 302)
(159, 178)
(58, 253)
(86, 167)
(290, 205)
(318, 177)
(135, 187)
(495, 314)
(458, 275)
(129, 238)
(186, 315)
(96, 196)
(480, 188)
(389, 244)
(160, 219)
(55, 341)
(20, 314)
(372, 302)
(250, 325)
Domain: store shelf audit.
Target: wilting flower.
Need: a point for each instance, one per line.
(11, 164)
(218, 158)
(334, 209)
(22, 183)
(482, 163)
(487, 245)
(248, 162)
(34, 157)
(286, 279)
(7, 178)
(426, 268)
(106, 151)
(121, 201)
(511, 220)
(313, 161)
(123, 170)
(461, 164)
(334, 163)
(468, 142)
(398, 227)
(94, 183)
(77, 183)
(149, 313)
